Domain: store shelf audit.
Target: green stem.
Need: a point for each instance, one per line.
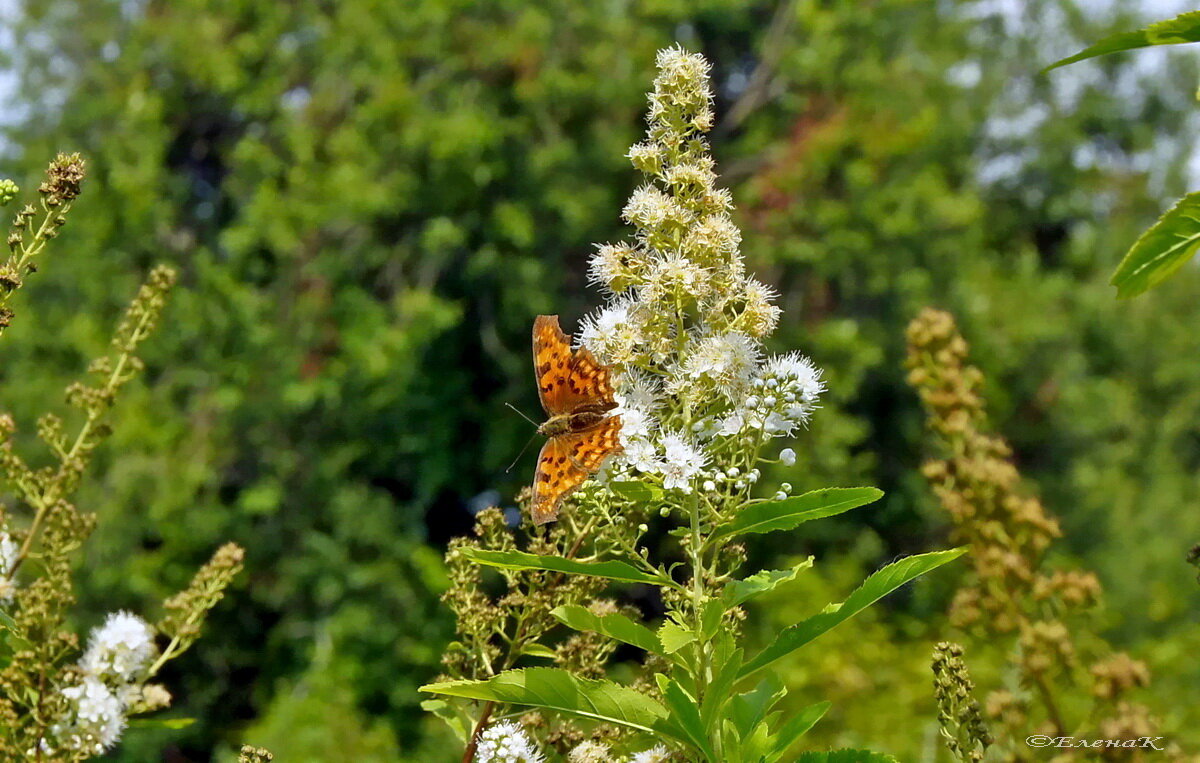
(52, 493)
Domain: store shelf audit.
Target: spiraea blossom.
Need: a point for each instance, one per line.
(95, 722)
(684, 325)
(506, 742)
(113, 670)
(120, 649)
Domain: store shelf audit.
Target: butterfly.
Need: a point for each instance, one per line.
(577, 393)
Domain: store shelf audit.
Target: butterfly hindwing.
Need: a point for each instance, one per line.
(558, 475)
(590, 448)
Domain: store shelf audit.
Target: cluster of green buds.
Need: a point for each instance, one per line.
(959, 713)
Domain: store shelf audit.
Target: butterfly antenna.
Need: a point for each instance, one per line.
(522, 415)
(523, 449)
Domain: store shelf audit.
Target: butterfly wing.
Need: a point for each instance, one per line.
(567, 461)
(567, 380)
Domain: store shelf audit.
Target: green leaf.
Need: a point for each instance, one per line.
(797, 727)
(453, 717)
(872, 590)
(161, 723)
(519, 560)
(534, 649)
(674, 636)
(739, 591)
(846, 756)
(558, 690)
(749, 708)
(792, 512)
(685, 715)
(636, 491)
(615, 625)
(1182, 29)
(1161, 250)
(716, 695)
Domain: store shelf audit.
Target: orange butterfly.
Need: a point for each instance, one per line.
(577, 393)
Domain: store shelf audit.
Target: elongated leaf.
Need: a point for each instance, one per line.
(797, 727)
(792, 512)
(717, 694)
(1182, 29)
(872, 590)
(749, 708)
(739, 591)
(1161, 250)
(558, 690)
(519, 560)
(685, 715)
(846, 756)
(613, 625)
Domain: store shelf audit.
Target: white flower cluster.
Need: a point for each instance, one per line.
(597, 752)
(8, 560)
(684, 324)
(506, 742)
(117, 656)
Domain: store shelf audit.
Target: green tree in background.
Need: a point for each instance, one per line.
(369, 201)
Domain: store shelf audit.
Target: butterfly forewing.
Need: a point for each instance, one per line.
(567, 380)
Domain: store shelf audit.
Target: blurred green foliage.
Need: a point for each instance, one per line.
(368, 202)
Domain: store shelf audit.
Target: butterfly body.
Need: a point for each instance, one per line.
(577, 394)
(579, 421)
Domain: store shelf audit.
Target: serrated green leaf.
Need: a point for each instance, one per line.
(1161, 250)
(790, 513)
(872, 590)
(797, 727)
(519, 560)
(614, 625)
(846, 756)
(674, 636)
(740, 591)
(558, 690)
(1180, 30)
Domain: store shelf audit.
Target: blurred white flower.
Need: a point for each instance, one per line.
(8, 558)
(590, 752)
(95, 720)
(656, 754)
(121, 648)
(506, 742)
(788, 457)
